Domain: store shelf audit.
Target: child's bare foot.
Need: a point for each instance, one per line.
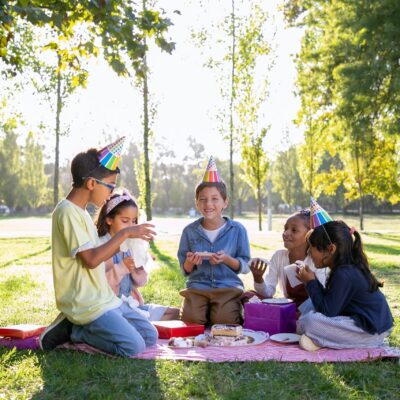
(307, 344)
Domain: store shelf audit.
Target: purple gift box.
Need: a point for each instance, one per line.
(271, 318)
(31, 343)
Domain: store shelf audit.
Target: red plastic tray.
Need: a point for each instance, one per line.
(176, 328)
(21, 331)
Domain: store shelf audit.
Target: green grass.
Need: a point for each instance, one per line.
(26, 295)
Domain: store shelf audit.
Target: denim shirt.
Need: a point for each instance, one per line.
(232, 239)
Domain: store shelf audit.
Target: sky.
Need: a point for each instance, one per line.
(185, 92)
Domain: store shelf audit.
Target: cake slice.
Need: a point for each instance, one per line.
(226, 330)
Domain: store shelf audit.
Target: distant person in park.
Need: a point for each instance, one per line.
(124, 276)
(283, 262)
(90, 311)
(351, 311)
(213, 251)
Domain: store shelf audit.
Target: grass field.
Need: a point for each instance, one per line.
(26, 295)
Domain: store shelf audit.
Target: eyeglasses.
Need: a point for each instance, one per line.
(107, 185)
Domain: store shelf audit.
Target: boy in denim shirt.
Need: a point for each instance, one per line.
(213, 251)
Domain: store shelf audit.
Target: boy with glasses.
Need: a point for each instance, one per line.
(90, 311)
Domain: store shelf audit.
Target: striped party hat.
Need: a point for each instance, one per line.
(318, 216)
(211, 174)
(110, 155)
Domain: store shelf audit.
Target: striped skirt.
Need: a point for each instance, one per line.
(337, 332)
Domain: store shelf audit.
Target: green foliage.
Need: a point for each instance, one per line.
(286, 179)
(255, 166)
(348, 79)
(121, 25)
(10, 163)
(33, 178)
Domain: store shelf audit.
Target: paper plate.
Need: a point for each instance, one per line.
(277, 301)
(285, 337)
(258, 336)
(254, 337)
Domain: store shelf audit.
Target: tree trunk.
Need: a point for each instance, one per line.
(360, 189)
(57, 132)
(146, 135)
(259, 207)
(231, 127)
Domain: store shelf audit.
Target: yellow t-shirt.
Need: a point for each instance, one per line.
(82, 294)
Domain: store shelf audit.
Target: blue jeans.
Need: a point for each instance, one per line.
(121, 331)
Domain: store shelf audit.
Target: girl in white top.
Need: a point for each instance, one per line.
(124, 277)
(296, 249)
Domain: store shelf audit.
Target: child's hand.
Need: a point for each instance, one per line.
(305, 274)
(192, 259)
(142, 231)
(129, 263)
(258, 268)
(218, 258)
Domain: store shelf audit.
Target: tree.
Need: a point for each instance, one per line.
(33, 181)
(286, 179)
(10, 164)
(122, 26)
(118, 23)
(348, 65)
(236, 44)
(56, 76)
(128, 57)
(256, 167)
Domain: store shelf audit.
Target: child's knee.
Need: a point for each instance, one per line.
(151, 337)
(129, 349)
(191, 313)
(222, 317)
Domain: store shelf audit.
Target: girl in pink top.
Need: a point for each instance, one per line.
(124, 277)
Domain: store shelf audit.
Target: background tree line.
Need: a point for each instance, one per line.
(348, 83)
(26, 184)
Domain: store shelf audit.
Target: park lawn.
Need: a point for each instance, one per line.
(26, 295)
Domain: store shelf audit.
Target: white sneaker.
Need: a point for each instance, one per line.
(58, 332)
(307, 344)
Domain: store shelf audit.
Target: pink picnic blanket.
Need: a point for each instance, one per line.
(263, 352)
(266, 351)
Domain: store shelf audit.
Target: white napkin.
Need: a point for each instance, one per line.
(134, 304)
(291, 271)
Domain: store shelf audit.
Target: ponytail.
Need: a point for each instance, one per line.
(360, 260)
(349, 250)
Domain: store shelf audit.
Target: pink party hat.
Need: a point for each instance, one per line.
(211, 174)
(110, 155)
(318, 216)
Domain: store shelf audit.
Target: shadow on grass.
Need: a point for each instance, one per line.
(6, 264)
(164, 282)
(169, 261)
(257, 246)
(382, 249)
(73, 375)
(394, 238)
(17, 286)
(389, 272)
